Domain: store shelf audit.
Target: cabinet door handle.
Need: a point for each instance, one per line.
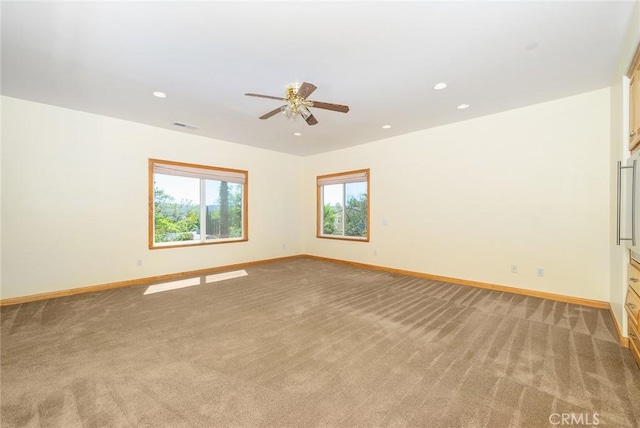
(631, 305)
(633, 134)
(633, 279)
(633, 336)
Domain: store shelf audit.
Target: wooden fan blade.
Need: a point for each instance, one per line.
(329, 106)
(311, 120)
(266, 96)
(305, 90)
(271, 113)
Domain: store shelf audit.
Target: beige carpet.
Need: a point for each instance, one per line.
(305, 343)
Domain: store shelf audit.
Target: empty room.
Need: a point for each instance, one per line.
(320, 213)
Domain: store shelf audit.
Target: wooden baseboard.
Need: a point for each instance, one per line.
(624, 341)
(137, 281)
(550, 296)
(200, 272)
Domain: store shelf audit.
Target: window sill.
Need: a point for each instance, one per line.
(344, 238)
(163, 245)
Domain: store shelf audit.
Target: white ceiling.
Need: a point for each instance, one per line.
(380, 58)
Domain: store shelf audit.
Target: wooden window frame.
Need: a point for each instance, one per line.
(216, 170)
(320, 206)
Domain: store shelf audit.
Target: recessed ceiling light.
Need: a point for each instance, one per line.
(386, 126)
(531, 46)
(160, 94)
(297, 134)
(463, 106)
(439, 86)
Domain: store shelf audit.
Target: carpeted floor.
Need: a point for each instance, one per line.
(306, 343)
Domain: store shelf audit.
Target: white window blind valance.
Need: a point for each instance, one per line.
(195, 172)
(356, 177)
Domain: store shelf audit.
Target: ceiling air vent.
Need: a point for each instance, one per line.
(185, 125)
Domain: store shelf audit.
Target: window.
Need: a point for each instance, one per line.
(343, 205)
(195, 204)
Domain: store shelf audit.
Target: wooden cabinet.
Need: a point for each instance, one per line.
(634, 102)
(632, 305)
(634, 342)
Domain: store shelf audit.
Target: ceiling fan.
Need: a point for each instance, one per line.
(297, 103)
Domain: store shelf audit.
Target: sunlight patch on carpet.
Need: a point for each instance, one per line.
(190, 282)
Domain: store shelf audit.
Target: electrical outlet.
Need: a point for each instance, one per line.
(375, 252)
(514, 268)
(138, 262)
(284, 246)
(539, 272)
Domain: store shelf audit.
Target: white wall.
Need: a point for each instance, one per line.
(618, 151)
(528, 187)
(467, 200)
(74, 198)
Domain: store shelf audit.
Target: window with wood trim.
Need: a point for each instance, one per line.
(343, 205)
(196, 204)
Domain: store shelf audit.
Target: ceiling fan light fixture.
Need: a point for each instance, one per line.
(292, 90)
(304, 111)
(297, 103)
(288, 112)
